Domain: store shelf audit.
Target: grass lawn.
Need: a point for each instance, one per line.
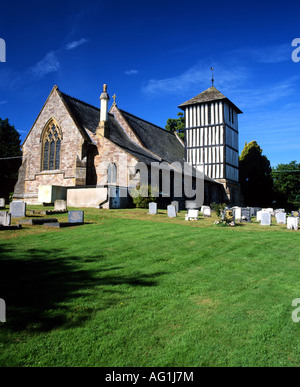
(131, 289)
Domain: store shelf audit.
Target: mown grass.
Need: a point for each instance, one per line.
(131, 289)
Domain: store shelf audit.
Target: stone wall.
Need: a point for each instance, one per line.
(71, 172)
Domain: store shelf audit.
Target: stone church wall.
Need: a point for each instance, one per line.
(71, 150)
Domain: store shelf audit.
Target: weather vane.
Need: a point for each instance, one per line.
(212, 79)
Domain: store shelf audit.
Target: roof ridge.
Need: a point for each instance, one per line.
(148, 122)
(79, 100)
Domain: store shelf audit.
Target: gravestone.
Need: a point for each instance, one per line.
(266, 218)
(280, 217)
(2, 203)
(37, 221)
(295, 214)
(172, 211)
(152, 208)
(292, 223)
(270, 210)
(76, 217)
(258, 215)
(192, 215)
(17, 209)
(206, 210)
(237, 213)
(246, 215)
(5, 219)
(176, 205)
(60, 205)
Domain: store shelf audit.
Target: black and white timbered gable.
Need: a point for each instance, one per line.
(212, 136)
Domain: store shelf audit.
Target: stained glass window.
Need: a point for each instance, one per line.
(52, 147)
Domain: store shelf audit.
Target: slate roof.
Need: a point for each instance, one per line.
(159, 141)
(160, 144)
(87, 118)
(209, 95)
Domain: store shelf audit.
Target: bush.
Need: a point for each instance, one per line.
(142, 196)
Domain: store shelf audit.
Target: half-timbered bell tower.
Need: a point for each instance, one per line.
(212, 138)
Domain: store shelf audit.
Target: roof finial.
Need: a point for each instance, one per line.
(114, 97)
(212, 79)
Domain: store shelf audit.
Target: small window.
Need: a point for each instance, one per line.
(51, 147)
(209, 114)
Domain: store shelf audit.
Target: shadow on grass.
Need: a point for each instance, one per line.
(40, 287)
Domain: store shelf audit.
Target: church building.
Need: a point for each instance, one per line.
(84, 151)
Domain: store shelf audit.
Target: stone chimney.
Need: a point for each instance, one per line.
(103, 127)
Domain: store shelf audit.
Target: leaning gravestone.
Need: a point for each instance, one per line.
(292, 223)
(60, 205)
(176, 205)
(280, 217)
(76, 217)
(5, 219)
(152, 208)
(172, 211)
(266, 218)
(2, 203)
(17, 209)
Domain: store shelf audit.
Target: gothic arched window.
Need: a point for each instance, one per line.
(112, 174)
(51, 147)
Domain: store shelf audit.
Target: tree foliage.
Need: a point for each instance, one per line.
(255, 176)
(287, 182)
(10, 146)
(176, 125)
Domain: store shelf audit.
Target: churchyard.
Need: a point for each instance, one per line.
(133, 288)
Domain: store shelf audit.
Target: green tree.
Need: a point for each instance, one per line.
(255, 176)
(286, 179)
(10, 146)
(176, 125)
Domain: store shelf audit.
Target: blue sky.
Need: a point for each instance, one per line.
(154, 55)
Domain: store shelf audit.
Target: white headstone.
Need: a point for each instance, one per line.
(265, 219)
(206, 211)
(258, 215)
(153, 208)
(270, 210)
(5, 218)
(238, 213)
(192, 214)
(280, 217)
(60, 205)
(292, 223)
(2, 203)
(172, 211)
